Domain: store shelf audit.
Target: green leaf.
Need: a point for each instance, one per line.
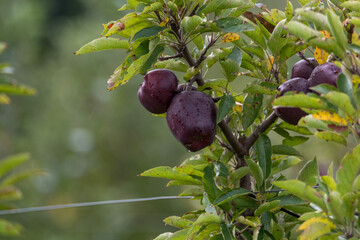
(147, 32)
(309, 173)
(124, 73)
(226, 232)
(330, 136)
(353, 47)
(260, 90)
(178, 235)
(304, 2)
(12, 161)
(300, 100)
(209, 184)
(348, 170)
(251, 108)
(21, 90)
(178, 222)
(235, 55)
(230, 24)
(301, 30)
(287, 199)
(282, 164)
(336, 206)
(103, 43)
(340, 100)
(344, 84)
(10, 229)
(152, 58)
(277, 40)
(323, 88)
(10, 193)
(217, 5)
(278, 231)
(257, 36)
(294, 128)
(319, 19)
(239, 173)
(285, 150)
(227, 102)
(156, 6)
(230, 69)
(191, 23)
(230, 195)
(290, 49)
(255, 171)
(218, 85)
(289, 10)
(172, 64)
(263, 152)
(296, 140)
(221, 170)
(337, 28)
(267, 206)
(352, 5)
(309, 121)
(303, 191)
(192, 191)
(170, 173)
(16, 177)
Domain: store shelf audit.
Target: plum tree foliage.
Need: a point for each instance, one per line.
(8, 177)
(237, 176)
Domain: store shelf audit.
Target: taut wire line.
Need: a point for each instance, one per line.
(87, 204)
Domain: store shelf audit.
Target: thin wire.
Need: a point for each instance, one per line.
(87, 204)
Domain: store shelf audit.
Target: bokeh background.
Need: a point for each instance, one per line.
(93, 143)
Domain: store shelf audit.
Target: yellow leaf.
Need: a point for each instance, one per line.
(270, 62)
(4, 99)
(355, 39)
(163, 23)
(325, 34)
(321, 55)
(315, 227)
(313, 220)
(328, 116)
(238, 107)
(355, 79)
(229, 37)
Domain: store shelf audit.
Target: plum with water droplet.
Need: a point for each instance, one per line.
(288, 114)
(304, 68)
(191, 118)
(325, 73)
(157, 90)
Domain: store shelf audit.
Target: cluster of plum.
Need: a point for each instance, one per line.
(305, 74)
(190, 114)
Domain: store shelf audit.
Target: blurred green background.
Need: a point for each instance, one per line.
(93, 143)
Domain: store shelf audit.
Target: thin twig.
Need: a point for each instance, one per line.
(178, 55)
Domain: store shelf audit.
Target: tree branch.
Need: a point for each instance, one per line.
(260, 129)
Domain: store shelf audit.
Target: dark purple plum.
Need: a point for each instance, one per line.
(191, 118)
(325, 73)
(292, 115)
(157, 90)
(304, 68)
